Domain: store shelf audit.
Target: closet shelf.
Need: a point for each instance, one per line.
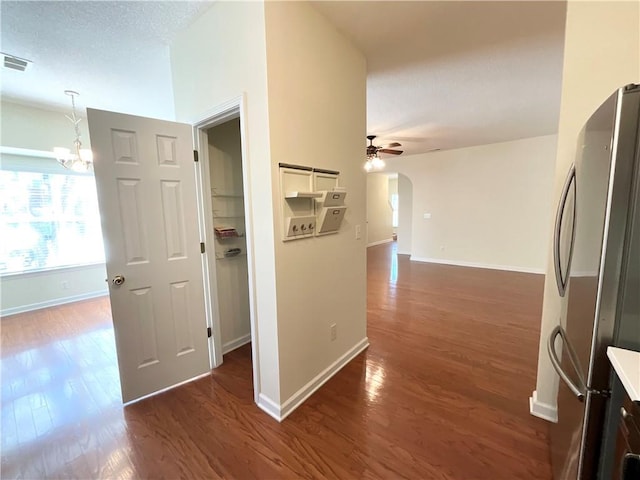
(224, 232)
(226, 255)
(222, 257)
(230, 237)
(220, 192)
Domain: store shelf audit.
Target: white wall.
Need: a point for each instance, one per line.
(405, 214)
(317, 90)
(32, 128)
(31, 291)
(601, 53)
(489, 204)
(379, 211)
(25, 126)
(221, 56)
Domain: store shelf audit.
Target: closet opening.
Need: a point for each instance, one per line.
(224, 209)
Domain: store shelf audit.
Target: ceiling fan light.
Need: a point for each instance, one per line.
(374, 162)
(377, 163)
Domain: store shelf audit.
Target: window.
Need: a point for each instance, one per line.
(394, 206)
(47, 220)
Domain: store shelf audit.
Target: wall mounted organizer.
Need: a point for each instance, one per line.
(313, 203)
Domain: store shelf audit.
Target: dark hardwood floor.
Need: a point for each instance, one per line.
(441, 393)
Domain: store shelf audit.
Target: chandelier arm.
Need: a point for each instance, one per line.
(81, 159)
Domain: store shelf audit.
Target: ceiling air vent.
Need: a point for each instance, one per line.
(15, 63)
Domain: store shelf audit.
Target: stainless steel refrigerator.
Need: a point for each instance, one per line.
(597, 264)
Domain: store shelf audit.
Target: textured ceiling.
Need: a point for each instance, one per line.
(115, 54)
(440, 74)
(456, 74)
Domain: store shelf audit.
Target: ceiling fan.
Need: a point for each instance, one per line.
(374, 162)
(373, 150)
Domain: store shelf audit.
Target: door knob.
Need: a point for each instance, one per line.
(118, 280)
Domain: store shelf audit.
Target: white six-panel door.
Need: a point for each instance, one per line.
(145, 179)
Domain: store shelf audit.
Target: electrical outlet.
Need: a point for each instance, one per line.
(358, 232)
(334, 331)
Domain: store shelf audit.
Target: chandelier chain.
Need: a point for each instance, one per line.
(73, 118)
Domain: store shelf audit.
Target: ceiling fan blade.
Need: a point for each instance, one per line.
(390, 145)
(392, 152)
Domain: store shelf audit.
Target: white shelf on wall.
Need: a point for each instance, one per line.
(298, 208)
(302, 195)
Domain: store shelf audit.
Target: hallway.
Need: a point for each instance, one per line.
(442, 392)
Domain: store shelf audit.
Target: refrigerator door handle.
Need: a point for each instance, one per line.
(562, 279)
(555, 361)
(630, 466)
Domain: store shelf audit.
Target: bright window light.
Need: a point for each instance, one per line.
(48, 221)
(394, 206)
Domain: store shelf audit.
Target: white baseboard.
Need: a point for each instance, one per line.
(403, 253)
(305, 392)
(237, 343)
(379, 242)
(459, 263)
(280, 412)
(269, 406)
(52, 303)
(542, 410)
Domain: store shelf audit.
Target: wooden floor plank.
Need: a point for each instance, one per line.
(441, 393)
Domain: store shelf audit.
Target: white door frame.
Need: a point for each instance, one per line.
(234, 108)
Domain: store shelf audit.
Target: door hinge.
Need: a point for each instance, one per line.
(195, 156)
(201, 247)
(208, 332)
(601, 393)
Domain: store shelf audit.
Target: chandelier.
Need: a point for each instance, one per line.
(77, 159)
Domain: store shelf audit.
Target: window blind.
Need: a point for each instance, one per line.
(49, 217)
